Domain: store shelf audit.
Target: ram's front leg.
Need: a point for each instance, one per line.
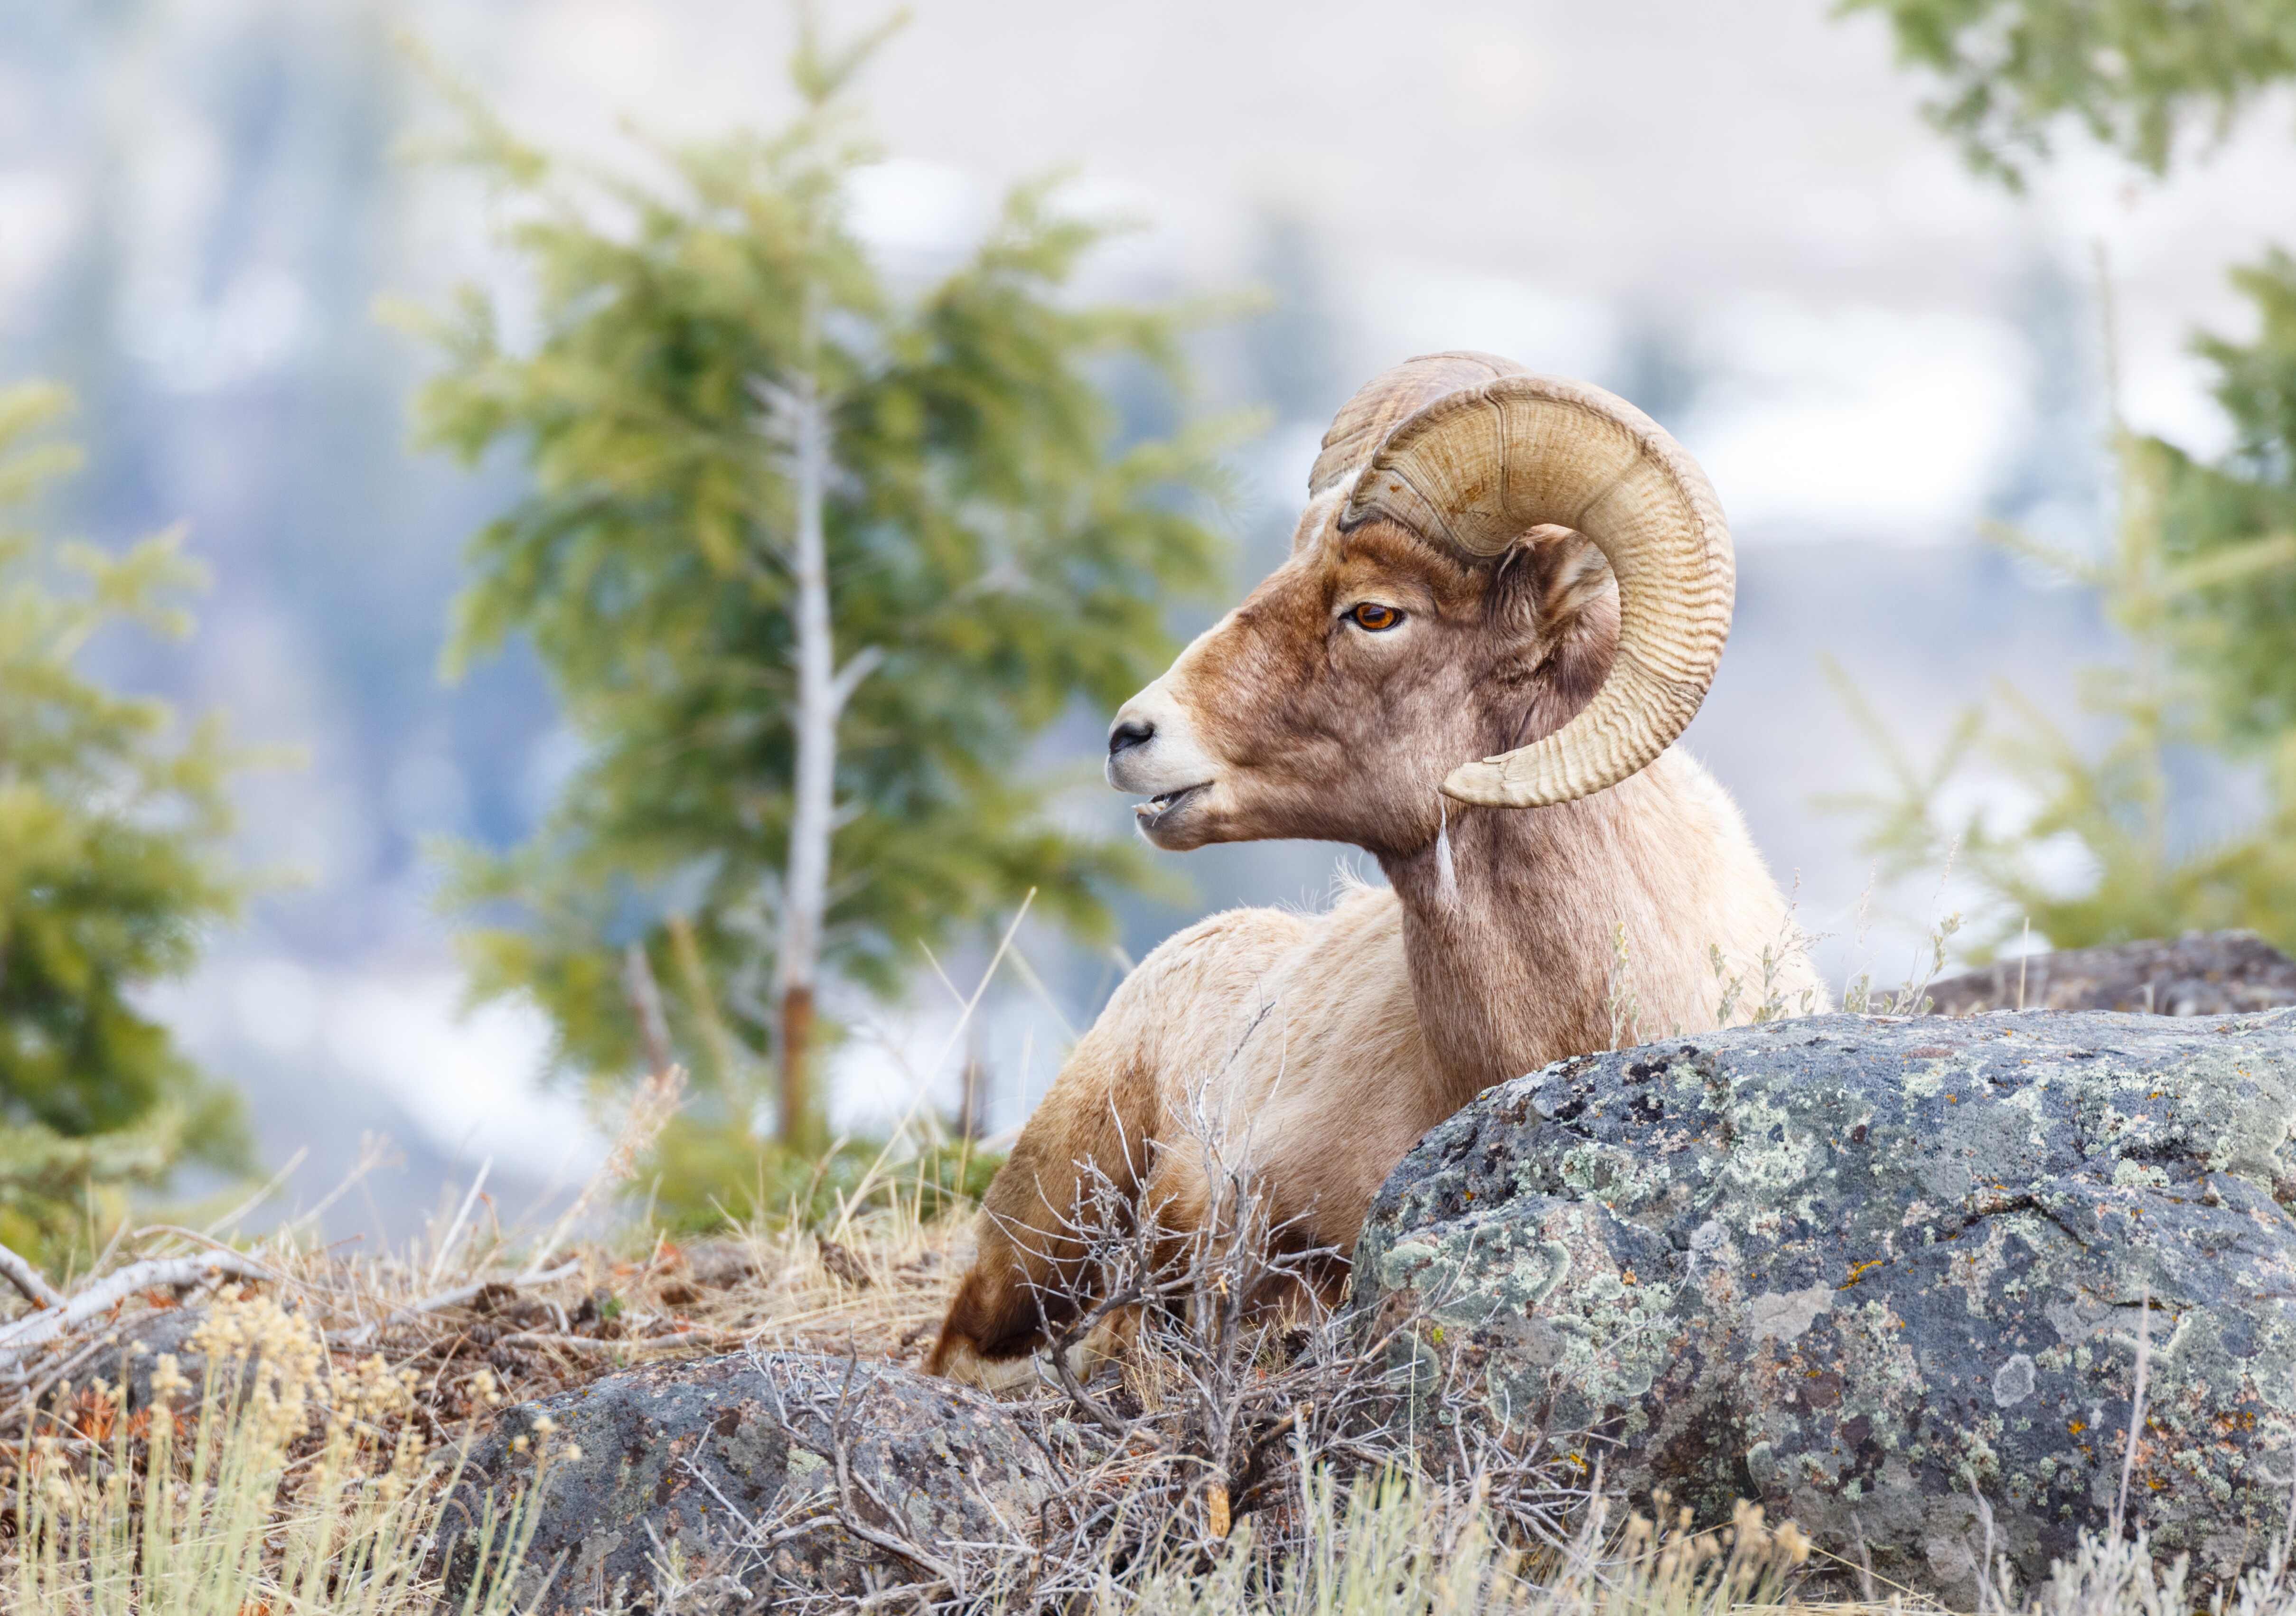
(1072, 1181)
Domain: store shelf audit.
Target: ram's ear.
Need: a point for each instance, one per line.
(1578, 574)
(1550, 579)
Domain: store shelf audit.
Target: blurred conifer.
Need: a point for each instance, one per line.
(2201, 576)
(2142, 875)
(2231, 528)
(112, 864)
(2133, 73)
(993, 557)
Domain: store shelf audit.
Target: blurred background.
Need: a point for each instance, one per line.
(1738, 217)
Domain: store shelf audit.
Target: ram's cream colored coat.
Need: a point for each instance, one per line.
(1492, 566)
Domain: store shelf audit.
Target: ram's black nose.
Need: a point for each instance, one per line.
(1131, 732)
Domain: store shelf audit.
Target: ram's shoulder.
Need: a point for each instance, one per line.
(1198, 976)
(1260, 946)
(1253, 939)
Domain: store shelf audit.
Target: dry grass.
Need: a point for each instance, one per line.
(877, 1292)
(323, 1493)
(318, 1488)
(133, 1481)
(1247, 1451)
(533, 1311)
(289, 1483)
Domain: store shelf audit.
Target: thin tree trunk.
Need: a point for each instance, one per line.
(823, 689)
(796, 1114)
(805, 896)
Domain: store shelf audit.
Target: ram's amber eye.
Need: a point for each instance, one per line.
(1375, 617)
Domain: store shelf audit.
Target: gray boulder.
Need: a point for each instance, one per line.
(714, 1483)
(1888, 1278)
(2199, 974)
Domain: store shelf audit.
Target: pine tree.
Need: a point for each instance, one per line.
(2147, 877)
(2200, 576)
(2133, 74)
(2231, 527)
(751, 457)
(113, 865)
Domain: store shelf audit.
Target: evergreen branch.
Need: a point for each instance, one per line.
(2065, 563)
(821, 73)
(484, 140)
(2268, 555)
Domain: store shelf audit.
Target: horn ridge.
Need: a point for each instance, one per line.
(1484, 462)
(1366, 420)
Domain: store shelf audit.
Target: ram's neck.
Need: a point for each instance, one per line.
(1510, 958)
(1514, 960)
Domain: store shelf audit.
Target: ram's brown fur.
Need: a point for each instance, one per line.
(1324, 1046)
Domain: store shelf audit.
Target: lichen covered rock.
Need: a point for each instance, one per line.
(703, 1474)
(1884, 1276)
(2199, 973)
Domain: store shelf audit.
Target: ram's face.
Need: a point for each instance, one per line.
(1332, 702)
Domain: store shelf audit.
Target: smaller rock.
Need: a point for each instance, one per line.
(131, 1350)
(505, 1304)
(844, 1264)
(2199, 974)
(720, 1264)
(685, 1470)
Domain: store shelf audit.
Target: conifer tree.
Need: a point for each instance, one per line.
(2146, 877)
(2232, 526)
(2199, 576)
(811, 563)
(113, 865)
(2132, 74)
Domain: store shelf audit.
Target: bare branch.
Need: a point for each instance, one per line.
(99, 1297)
(858, 667)
(1200, 1374)
(30, 1281)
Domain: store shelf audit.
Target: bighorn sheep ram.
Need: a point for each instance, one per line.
(1492, 564)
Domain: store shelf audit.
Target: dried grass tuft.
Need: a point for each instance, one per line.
(1248, 1451)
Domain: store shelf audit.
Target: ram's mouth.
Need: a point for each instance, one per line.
(1163, 806)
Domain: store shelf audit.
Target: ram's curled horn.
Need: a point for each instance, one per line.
(1481, 464)
(1387, 400)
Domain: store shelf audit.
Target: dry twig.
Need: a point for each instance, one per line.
(101, 1296)
(30, 1281)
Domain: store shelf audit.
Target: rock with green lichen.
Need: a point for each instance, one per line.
(1886, 1276)
(2199, 973)
(715, 1482)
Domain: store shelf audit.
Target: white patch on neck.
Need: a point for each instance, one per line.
(1447, 875)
